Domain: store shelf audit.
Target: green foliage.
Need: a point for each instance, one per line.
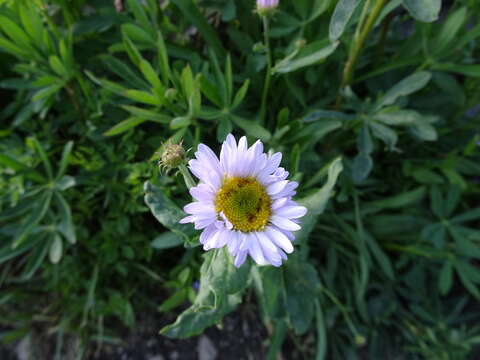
(373, 103)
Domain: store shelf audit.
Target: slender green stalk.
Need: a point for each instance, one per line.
(361, 35)
(268, 75)
(186, 176)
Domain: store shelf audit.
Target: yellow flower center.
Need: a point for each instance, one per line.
(244, 202)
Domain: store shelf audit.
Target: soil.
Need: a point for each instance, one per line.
(242, 336)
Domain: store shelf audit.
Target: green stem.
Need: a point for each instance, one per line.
(268, 75)
(186, 176)
(357, 47)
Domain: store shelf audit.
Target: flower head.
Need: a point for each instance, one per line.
(266, 7)
(244, 201)
(172, 155)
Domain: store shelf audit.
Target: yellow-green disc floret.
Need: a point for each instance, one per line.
(244, 202)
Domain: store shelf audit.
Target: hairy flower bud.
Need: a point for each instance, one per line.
(172, 156)
(266, 7)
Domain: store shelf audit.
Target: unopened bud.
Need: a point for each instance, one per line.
(172, 156)
(300, 43)
(360, 340)
(266, 7)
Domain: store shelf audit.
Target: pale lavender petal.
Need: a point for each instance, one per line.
(187, 219)
(276, 187)
(255, 250)
(284, 223)
(279, 239)
(240, 258)
(269, 250)
(202, 192)
(291, 212)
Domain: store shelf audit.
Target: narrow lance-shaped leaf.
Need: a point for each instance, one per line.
(342, 13)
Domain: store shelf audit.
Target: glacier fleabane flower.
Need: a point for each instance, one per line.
(244, 201)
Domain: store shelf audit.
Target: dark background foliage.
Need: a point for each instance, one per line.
(376, 111)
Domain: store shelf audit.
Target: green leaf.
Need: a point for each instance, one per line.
(398, 201)
(423, 10)
(140, 14)
(10, 163)
(67, 149)
(43, 156)
(362, 166)
(143, 97)
(15, 32)
(32, 23)
(137, 34)
(269, 285)
(167, 240)
(436, 202)
(450, 28)
(405, 87)
(382, 259)
(445, 279)
(301, 282)
(66, 226)
(342, 13)
(453, 197)
(125, 72)
(46, 92)
(317, 202)
(310, 55)
(423, 130)
(131, 50)
(163, 62)
(59, 68)
(210, 91)
(221, 284)
(252, 128)
(124, 125)
(364, 140)
(386, 134)
(33, 220)
(194, 16)
(147, 114)
(177, 299)
(470, 215)
(321, 333)
(56, 249)
(240, 95)
(397, 117)
(151, 75)
(467, 70)
(463, 271)
(65, 182)
(166, 211)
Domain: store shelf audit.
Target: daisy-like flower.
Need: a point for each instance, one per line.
(244, 201)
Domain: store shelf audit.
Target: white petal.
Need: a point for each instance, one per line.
(255, 250)
(202, 192)
(199, 208)
(207, 233)
(240, 259)
(188, 219)
(279, 203)
(276, 187)
(269, 250)
(284, 223)
(291, 212)
(233, 243)
(280, 239)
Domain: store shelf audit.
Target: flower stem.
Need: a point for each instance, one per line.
(268, 75)
(361, 35)
(187, 177)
